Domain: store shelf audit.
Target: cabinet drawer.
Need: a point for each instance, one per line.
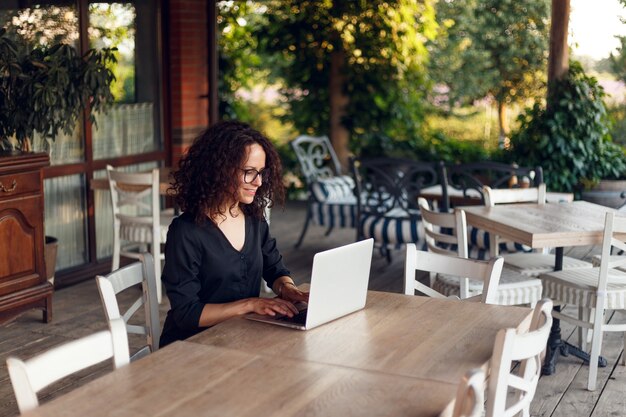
(17, 184)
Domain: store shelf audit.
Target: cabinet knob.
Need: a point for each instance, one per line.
(10, 189)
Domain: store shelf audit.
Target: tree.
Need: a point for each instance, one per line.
(494, 47)
(351, 68)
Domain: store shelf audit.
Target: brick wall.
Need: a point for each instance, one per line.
(188, 72)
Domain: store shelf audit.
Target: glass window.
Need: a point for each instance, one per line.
(65, 215)
(131, 127)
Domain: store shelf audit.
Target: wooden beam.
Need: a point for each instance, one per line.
(558, 60)
(213, 61)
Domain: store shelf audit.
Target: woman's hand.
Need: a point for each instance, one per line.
(271, 306)
(291, 293)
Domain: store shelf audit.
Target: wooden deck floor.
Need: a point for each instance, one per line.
(77, 312)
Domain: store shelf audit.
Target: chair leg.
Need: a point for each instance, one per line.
(116, 249)
(156, 255)
(309, 214)
(596, 345)
(330, 229)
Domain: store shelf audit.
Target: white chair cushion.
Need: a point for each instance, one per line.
(338, 189)
(513, 289)
(578, 287)
(142, 232)
(534, 264)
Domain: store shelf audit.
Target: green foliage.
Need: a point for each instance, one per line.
(242, 65)
(381, 45)
(436, 147)
(46, 89)
(569, 137)
(491, 47)
(617, 114)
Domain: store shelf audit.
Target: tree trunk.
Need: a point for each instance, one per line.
(504, 125)
(558, 61)
(339, 135)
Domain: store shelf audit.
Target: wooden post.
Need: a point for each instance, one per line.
(558, 61)
(339, 135)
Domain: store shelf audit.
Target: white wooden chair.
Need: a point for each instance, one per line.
(594, 291)
(486, 271)
(31, 376)
(137, 219)
(470, 395)
(527, 263)
(528, 349)
(446, 233)
(121, 280)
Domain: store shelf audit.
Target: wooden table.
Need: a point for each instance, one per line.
(164, 181)
(542, 225)
(401, 355)
(546, 225)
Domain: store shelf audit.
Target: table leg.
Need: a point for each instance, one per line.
(555, 343)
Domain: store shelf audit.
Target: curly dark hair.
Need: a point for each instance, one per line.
(208, 175)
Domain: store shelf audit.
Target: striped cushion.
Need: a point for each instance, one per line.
(513, 289)
(578, 287)
(393, 229)
(339, 189)
(334, 215)
(478, 241)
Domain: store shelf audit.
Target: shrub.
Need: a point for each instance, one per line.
(569, 137)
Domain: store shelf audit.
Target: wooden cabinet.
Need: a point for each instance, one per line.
(23, 283)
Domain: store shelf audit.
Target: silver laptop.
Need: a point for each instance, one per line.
(338, 287)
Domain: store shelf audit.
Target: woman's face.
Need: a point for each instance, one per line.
(249, 181)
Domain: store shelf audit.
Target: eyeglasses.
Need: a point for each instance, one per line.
(250, 175)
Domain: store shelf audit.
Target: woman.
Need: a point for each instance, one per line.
(220, 248)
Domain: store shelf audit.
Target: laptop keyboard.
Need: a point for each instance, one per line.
(299, 318)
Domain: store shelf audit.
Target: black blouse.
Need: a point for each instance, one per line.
(202, 267)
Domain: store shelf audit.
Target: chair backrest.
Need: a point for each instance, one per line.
(495, 196)
(386, 184)
(614, 241)
(446, 232)
(139, 191)
(528, 349)
(30, 376)
(474, 176)
(124, 278)
(470, 395)
(317, 157)
(486, 271)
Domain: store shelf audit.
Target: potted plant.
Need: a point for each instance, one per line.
(46, 89)
(569, 137)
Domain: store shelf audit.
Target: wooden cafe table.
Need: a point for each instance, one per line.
(560, 225)
(402, 355)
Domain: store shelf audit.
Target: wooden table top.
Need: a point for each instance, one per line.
(164, 181)
(401, 355)
(398, 334)
(542, 225)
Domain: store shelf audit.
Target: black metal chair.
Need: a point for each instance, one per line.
(465, 187)
(388, 189)
(471, 177)
(331, 200)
